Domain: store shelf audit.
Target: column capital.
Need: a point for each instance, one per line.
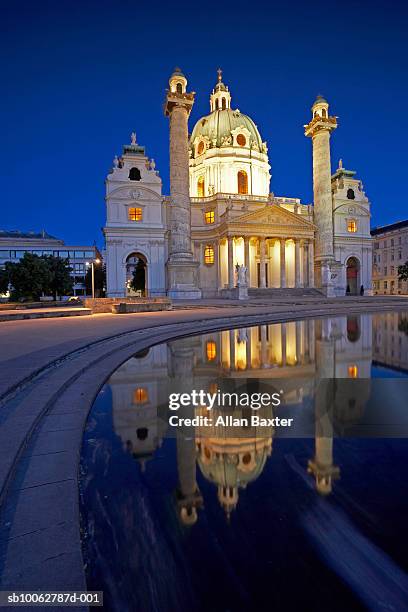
(175, 100)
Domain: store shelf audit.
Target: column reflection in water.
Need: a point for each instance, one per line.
(318, 352)
(182, 379)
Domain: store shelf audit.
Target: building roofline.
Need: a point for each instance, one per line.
(383, 229)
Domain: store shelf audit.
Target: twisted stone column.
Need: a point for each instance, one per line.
(180, 211)
(182, 270)
(323, 216)
(319, 130)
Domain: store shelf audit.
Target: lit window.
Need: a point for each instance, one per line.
(211, 350)
(135, 214)
(352, 226)
(242, 182)
(200, 148)
(353, 371)
(200, 187)
(209, 254)
(210, 216)
(140, 396)
(241, 140)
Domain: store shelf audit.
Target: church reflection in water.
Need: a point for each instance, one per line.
(304, 358)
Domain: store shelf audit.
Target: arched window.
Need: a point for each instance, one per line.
(242, 182)
(217, 104)
(179, 88)
(201, 187)
(241, 140)
(200, 148)
(324, 112)
(140, 396)
(211, 350)
(350, 194)
(134, 174)
(209, 255)
(135, 214)
(224, 104)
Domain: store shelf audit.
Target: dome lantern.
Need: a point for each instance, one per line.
(220, 98)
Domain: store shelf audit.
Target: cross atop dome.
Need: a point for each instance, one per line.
(220, 98)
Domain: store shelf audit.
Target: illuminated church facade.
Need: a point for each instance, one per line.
(221, 213)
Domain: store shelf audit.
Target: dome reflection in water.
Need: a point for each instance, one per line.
(249, 518)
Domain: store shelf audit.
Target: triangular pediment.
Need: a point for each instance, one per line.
(272, 214)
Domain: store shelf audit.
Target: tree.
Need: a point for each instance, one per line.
(99, 279)
(4, 281)
(60, 280)
(29, 278)
(138, 282)
(403, 272)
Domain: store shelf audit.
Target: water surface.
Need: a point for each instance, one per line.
(227, 519)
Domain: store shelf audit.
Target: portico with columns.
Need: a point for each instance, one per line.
(275, 245)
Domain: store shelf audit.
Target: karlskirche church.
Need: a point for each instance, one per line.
(222, 226)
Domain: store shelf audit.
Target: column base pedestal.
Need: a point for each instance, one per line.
(328, 277)
(182, 280)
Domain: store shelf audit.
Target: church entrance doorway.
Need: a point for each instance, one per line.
(136, 275)
(353, 276)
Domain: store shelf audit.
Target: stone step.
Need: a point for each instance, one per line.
(271, 292)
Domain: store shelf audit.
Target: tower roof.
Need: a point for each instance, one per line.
(320, 100)
(177, 72)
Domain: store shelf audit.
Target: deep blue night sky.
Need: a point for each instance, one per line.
(78, 77)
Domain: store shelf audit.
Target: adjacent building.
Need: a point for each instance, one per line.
(13, 245)
(222, 214)
(390, 250)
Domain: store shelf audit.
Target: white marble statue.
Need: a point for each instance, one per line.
(242, 276)
(133, 138)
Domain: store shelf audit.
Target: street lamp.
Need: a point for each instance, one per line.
(93, 262)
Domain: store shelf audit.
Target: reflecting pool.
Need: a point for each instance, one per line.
(242, 517)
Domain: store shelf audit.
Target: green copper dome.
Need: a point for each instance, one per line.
(218, 125)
